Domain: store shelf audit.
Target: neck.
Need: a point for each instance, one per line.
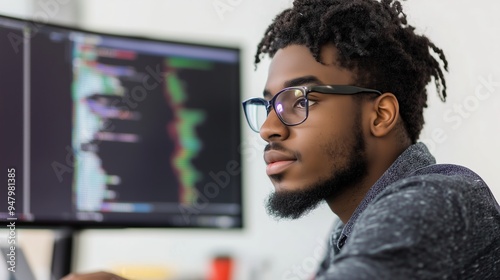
(344, 204)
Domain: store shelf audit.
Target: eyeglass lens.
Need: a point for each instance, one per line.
(290, 105)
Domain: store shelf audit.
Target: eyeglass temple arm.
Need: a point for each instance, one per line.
(344, 89)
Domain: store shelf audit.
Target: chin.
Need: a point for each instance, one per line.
(283, 187)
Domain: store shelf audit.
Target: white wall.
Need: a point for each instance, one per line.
(466, 30)
(17, 8)
(52, 11)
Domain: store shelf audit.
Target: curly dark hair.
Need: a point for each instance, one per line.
(374, 41)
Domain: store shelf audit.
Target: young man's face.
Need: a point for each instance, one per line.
(323, 156)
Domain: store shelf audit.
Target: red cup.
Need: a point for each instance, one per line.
(222, 268)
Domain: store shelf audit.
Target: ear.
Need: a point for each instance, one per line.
(385, 114)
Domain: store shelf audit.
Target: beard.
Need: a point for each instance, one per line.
(293, 204)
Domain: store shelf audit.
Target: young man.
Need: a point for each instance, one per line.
(341, 113)
(344, 101)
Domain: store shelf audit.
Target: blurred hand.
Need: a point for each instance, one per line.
(93, 276)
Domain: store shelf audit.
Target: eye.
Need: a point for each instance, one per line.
(301, 103)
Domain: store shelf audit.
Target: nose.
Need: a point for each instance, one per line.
(273, 129)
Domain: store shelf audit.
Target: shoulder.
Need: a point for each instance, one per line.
(429, 195)
(418, 218)
(434, 223)
(431, 203)
(440, 183)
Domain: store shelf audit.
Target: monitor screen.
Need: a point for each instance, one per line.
(101, 130)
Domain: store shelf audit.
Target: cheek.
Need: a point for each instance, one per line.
(325, 153)
(317, 153)
(326, 145)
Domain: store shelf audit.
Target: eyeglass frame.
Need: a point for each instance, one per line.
(324, 89)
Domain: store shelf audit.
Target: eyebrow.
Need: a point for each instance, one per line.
(296, 82)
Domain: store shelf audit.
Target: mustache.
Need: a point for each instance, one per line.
(275, 146)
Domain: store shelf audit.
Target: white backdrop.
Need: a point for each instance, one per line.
(464, 130)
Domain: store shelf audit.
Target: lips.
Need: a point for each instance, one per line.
(277, 162)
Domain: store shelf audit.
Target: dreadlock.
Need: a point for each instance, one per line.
(374, 41)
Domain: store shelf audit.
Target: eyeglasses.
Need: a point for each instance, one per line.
(291, 104)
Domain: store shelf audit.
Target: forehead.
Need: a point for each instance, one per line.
(296, 61)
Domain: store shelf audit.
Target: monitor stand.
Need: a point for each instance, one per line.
(62, 252)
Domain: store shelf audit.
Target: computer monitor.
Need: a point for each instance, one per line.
(100, 130)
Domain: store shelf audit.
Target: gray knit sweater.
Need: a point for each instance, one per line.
(420, 220)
